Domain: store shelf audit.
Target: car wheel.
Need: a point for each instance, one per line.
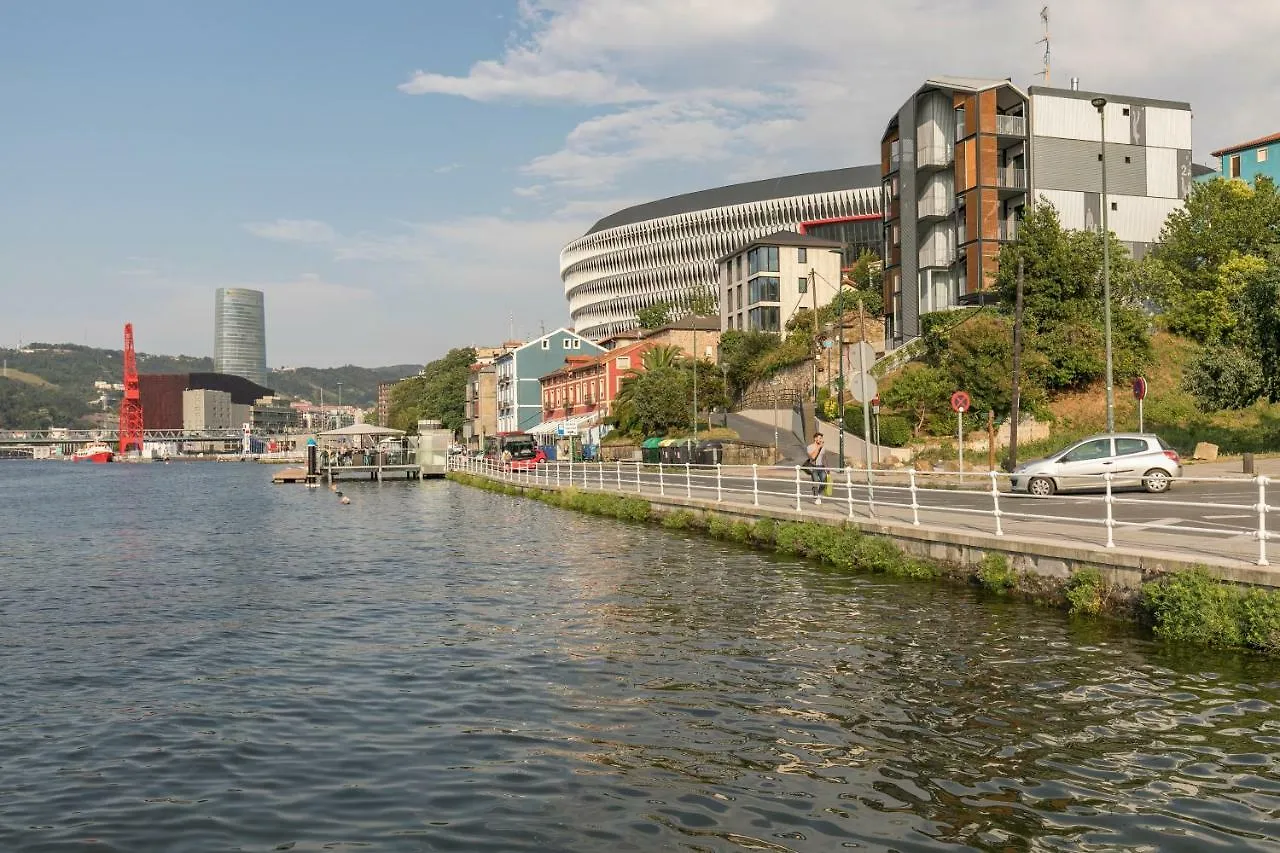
(1041, 487)
(1156, 481)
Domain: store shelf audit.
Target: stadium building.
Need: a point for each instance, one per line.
(666, 250)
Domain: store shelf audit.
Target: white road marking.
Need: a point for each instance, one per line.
(1162, 522)
(1224, 517)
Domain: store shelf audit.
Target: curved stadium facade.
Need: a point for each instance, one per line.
(666, 250)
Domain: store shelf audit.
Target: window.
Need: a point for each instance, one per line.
(1130, 446)
(1262, 154)
(1235, 165)
(577, 344)
(802, 256)
(738, 260)
(546, 344)
(1128, 159)
(763, 288)
(764, 319)
(1115, 206)
(803, 284)
(1125, 111)
(624, 362)
(565, 342)
(1090, 450)
(762, 259)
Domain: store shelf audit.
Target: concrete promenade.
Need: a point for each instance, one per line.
(960, 527)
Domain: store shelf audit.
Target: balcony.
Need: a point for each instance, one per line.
(1011, 125)
(935, 156)
(1010, 178)
(943, 258)
(934, 207)
(1008, 230)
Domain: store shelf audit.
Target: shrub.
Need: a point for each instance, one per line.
(681, 519)
(1085, 592)
(764, 531)
(1260, 619)
(895, 431)
(995, 573)
(633, 509)
(1193, 605)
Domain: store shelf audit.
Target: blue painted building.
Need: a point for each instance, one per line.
(518, 391)
(1248, 160)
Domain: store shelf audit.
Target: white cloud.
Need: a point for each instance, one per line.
(446, 169)
(293, 231)
(760, 87)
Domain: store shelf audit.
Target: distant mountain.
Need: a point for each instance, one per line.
(53, 384)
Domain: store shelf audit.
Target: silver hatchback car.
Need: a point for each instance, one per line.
(1134, 459)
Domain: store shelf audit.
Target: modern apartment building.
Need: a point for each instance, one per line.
(963, 157)
(1251, 160)
(518, 371)
(764, 283)
(205, 410)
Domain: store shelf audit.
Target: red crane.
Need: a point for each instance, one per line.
(131, 403)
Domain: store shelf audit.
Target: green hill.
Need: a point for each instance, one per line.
(53, 384)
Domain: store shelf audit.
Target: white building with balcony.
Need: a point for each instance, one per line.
(764, 283)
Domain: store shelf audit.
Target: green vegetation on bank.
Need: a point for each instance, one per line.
(439, 393)
(1190, 606)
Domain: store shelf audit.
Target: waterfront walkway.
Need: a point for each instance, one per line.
(1218, 521)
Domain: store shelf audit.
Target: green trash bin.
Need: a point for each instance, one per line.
(650, 450)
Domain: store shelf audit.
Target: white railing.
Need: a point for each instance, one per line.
(1226, 526)
(1009, 177)
(1011, 125)
(935, 155)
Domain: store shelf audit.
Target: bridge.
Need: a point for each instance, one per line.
(31, 437)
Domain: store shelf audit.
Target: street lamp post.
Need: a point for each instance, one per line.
(1100, 104)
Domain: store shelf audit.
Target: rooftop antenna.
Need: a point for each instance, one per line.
(511, 327)
(1044, 16)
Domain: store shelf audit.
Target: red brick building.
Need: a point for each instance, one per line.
(584, 389)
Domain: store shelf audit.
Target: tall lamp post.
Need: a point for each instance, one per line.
(1100, 104)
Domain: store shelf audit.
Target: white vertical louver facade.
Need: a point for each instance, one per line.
(666, 251)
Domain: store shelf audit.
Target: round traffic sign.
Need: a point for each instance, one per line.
(1139, 388)
(960, 402)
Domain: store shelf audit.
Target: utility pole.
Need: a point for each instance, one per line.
(695, 376)
(1100, 104)
(863, 367)
(840, 361)
(1016, 397)
(813, 292)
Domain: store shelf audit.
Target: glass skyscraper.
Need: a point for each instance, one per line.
(239, 334)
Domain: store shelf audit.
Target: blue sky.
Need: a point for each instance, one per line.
(399, 175)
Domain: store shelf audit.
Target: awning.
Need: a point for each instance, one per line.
(550, 428)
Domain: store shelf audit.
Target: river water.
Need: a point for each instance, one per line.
(196, 660)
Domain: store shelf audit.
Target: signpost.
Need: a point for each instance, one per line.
(1139, 394)
(960, 404)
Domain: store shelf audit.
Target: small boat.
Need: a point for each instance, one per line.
(96, 452)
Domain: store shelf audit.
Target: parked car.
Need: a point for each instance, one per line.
(1134, 459)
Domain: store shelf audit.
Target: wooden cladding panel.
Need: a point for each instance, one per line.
(987, 111)
(987, 160)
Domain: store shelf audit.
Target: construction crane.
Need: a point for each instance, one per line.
(131, 403)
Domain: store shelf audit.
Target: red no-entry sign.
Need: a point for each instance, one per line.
(1139, 388)
(960, 402)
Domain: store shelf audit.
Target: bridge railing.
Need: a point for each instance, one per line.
(981, 501)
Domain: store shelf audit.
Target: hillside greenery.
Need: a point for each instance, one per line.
(52, 384)
(438, 393)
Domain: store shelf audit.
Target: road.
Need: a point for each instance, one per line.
(1198, 519)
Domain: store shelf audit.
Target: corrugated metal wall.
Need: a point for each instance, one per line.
(1061, 164)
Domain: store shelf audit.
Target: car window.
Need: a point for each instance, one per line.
(1099, 448)
(1130, 446)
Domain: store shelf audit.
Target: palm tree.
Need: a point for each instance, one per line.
(664, 356)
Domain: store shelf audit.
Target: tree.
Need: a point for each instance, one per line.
(663, 356)
(1224, 377)
(654, 316)
(919, 391)
(740, 353)
(702, 304)
(438, 393)
(863, 282)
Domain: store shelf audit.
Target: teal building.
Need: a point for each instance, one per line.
(1249, 160)
(519, 393)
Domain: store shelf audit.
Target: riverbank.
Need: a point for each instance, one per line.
(1188, 602)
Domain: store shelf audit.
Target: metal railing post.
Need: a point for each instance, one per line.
(719, 494)
(848, 487)
(797, 488)
(995, 499)
(639, 471)
(618, 464)
(662, 486)
(1262, 520)
(602, 476)
(1111, 522)
(755, 485)
(571, 468)
(557, 475)
(915, 505)
(871, 494)
(688, 486)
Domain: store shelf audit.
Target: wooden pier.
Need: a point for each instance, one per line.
(408, 471)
